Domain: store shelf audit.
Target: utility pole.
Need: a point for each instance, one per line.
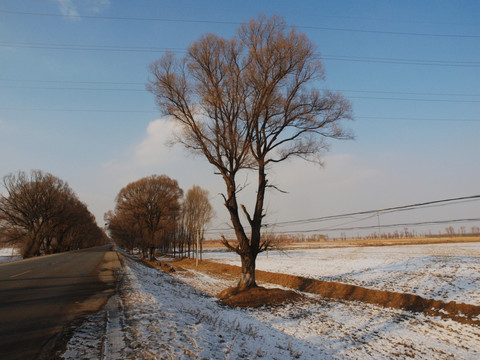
(378, 218)
(198, 246)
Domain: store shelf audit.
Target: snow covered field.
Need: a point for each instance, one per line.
(160, 316)
(9, 254)
(448, 272)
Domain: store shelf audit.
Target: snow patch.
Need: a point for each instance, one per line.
(9, 254)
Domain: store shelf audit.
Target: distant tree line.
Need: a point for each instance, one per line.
(40, 214)
(151, 215)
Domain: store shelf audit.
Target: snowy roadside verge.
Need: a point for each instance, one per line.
(161, 316)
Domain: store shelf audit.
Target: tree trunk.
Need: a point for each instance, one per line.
(152, 253)
(247, 278)
(33, 245)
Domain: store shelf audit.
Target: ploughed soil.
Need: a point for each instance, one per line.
(259, 296)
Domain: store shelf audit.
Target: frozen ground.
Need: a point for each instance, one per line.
(9, 254)
(448, 272)
(159, 316)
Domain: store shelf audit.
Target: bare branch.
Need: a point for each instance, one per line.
(229, 246)
(250, 221)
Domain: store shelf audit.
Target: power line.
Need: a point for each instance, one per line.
(156, 112)
(412, 99)
(138, 49)
(400, 61)
(368, 18)
(71, 82)
(78, 110)
(86, 47)
(369, 227)
(366, 227)
(336, 29)
(404, 92)
(71, 88)
(375, 211)
(369, 214)
(143, 89)
(382, 118)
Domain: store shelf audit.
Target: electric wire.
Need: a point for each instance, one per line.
(389, 226)
(143, 111)
(362, 216)
(78, 110)
(365, 227)
(138, 49)
(145, 90)
(183, 21)
(375, 211)
(383, 118)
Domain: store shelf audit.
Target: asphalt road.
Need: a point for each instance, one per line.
(40, 296)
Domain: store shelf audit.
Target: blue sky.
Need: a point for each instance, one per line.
(73, 99)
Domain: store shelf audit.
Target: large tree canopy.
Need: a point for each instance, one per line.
(40, 213)
(247, 103)
(147, 210)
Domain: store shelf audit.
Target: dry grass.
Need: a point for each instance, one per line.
(379, 242)
(361, 242)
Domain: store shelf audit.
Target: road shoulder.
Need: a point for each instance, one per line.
(108, 274)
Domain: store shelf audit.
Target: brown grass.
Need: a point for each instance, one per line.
(256, 297)
(362, 242)
(377, 242)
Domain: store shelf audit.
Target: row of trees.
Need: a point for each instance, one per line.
(150, 214)
(40, 214)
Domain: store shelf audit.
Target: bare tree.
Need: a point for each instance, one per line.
(40, 213)
(197, 213)
(123, 230)
(148, 207)
(247, 103)
(450, 231)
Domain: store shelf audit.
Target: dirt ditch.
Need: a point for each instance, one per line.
(464, 313)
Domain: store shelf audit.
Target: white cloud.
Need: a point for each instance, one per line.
(67, 8)
(98, 5)
(70, 8)
(153, 155)
(155, 148)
